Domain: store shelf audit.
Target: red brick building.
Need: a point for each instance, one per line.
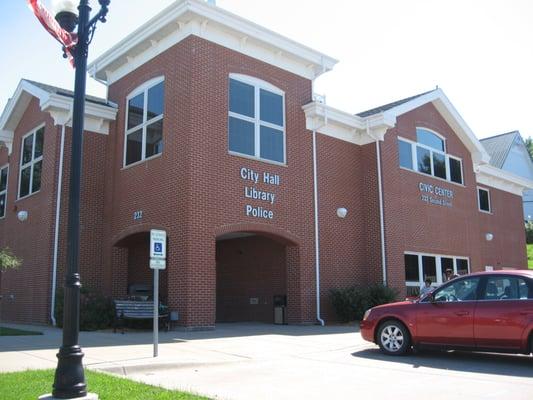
(211, 132)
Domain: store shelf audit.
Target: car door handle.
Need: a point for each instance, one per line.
(461, 313)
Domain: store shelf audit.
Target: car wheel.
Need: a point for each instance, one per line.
(393, 338)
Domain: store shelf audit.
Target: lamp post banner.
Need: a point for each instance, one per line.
(67, 39)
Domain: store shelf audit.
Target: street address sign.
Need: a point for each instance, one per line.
(158, 244)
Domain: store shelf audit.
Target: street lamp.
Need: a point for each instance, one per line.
(69, 382)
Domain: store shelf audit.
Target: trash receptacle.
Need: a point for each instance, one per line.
(280, 306)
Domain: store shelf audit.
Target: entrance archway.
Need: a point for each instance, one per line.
(251, 278)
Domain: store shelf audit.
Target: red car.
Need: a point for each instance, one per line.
(485, 311)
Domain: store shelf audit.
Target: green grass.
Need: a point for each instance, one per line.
(29, 385)
(16, 332)
(530, 256)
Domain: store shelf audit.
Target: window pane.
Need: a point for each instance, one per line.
(424, 160)
(134, 147)
(3, 179)
(446, 264)
(36, 183)
(429, 139)
(27, 149)
(241, 136)
(411, 268)
(462, 290)
(405, 154)
(429, 268)
(135, 110)
(484, 200)
(271, 144)
(271, 106)
(25, 182)
(156, 96)
(2, 205)
(154, 138)
(241, 98)
(39, 138)
(462, 266)
(439, 165)
(456, 174)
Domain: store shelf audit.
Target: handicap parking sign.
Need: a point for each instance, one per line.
(158, 242)
(158, 247)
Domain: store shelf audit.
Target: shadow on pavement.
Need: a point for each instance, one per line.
(484, 363)
(51, 337)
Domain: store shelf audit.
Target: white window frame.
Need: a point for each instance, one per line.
(414, 161)
(142, 89)
(438, 265)
(259, 84)
(479, 200)
(31, 163)
(6, 166)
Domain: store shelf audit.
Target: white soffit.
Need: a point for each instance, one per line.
(196, 17)
(497, 178)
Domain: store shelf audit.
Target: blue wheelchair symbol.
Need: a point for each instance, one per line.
(158, 247)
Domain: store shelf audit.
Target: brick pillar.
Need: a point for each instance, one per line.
(119, 271)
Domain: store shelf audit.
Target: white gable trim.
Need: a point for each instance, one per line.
(196, 17)
(97, 116)
(494, 177)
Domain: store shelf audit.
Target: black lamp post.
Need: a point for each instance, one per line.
(69, 380)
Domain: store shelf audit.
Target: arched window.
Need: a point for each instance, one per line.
(256, 119)
(428, 156)
(144, 122)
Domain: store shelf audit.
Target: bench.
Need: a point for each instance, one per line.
(138, 310)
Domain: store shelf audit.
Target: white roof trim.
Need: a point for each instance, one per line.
(451, 116)
(97, 116)
(196, 17)
(345, 126)
(495, 177)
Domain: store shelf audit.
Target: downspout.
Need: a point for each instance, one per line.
(56, 228)
(317, 240)
(381, 218)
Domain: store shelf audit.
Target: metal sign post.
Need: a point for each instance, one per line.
(158, 255)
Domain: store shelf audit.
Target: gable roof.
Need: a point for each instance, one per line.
(499, 147)
(388, 106)
(183, 18)
(68, 93)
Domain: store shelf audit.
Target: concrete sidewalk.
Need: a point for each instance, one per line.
(264, 362)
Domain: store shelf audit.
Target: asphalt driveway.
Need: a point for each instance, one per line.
(258, 361)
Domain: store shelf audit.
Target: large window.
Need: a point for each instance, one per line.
(483, 198)
(419, 267)
(3, 190)
(144, 122)
(428, 156)
(31, 162)
(256, 119)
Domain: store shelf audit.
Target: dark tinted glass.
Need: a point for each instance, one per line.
(439, 165)
(456, 174)
(2, 205)
(271, 106)
(36, 182)
(156, 97)
(135, 110)
(446, 263)
(25, 182)
(27, 149)
(241, 98)
(154, 138)
(3, 179)
(484, 204)
(411, 268)
(423, 160)
(134, 147)
(429, 139)
(39, 138)
(462, 266)
(241, 136)
(271, 144)
(429, 268)
(405, 154)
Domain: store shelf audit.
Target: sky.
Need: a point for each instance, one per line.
(480, 52)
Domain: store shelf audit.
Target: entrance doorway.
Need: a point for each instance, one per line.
(251, 279)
